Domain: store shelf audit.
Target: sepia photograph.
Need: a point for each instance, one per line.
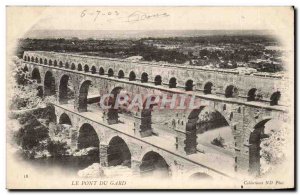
(150, 97)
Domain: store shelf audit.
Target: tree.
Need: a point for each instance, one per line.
(25, 97)
(24, 93)
(218, 141)
(31, 133)
(57, 148)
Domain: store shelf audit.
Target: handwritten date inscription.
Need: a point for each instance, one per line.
(138, 16)
(115, 15)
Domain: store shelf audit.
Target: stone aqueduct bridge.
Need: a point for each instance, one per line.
(227, 92)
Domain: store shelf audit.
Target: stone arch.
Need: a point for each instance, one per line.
(172, 82)
(87, 137)
(55, 63)
(36, 60)
(154, 165)
(50, 62)
(275, 97)
(118, 152)
(32, 59)
(231, 91)
(49, 84)
(45, 62)
(132, 76)
(260, 131)
(66, 90)
(93, 70)
(73, 66)
(144, 77)
(83, 93)
(60, 64)
(65, 119)
(157, 80)
(189, 84)
(112, 114)
(79, 67)
(35, 75)
(208, 88)
(101, 71)
(143, 120)
(86, 68)
(251, 96)
(25, 58)
(25, 69)
(209, 127)
(67, 66)
(121, 74)
(110, 72)
(41, 61)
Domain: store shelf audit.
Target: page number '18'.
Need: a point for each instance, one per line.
(26, 176)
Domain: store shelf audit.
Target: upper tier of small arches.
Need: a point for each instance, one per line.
(225, 71)
(231, 91)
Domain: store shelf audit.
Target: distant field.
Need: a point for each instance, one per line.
(221, 51)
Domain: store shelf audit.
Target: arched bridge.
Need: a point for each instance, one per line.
(244, 102)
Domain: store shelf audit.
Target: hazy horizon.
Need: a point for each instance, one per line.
(136, 34)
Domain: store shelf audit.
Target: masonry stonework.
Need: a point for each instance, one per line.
(242, 116)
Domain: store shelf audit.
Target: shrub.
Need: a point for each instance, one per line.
(31, 133)
(57, 148)
(219, 141)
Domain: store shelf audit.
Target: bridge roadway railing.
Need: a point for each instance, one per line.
(209, 97)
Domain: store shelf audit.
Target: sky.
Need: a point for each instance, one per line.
(24, 21)
(148, 18)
